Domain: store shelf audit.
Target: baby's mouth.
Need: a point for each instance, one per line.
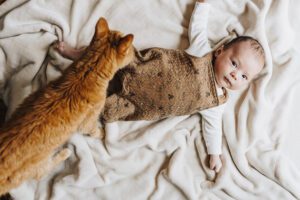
(227, 81)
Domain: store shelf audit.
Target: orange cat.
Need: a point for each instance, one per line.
(47, 118)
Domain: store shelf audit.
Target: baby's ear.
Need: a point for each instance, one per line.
(101, 28)
(125, 43)
(219, 50)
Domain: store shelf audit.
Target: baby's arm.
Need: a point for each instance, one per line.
(212, 133)
(197, 32)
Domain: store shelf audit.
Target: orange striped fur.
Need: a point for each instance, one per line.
(48, 117)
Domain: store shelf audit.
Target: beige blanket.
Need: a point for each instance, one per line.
(165, 159)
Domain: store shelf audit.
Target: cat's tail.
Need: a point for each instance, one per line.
(12, 176)
(7, 182)
(35, 167)
(13, 180)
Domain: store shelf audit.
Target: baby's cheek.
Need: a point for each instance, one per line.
(239, 85)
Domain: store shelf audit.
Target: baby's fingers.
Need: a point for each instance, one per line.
(214, 165)
(218, 167)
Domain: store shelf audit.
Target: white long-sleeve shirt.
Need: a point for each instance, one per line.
(199, 46)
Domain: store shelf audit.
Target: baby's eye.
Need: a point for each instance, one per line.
(234, 64)
(245, 77)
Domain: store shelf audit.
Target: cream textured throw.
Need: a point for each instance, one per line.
(165, 159)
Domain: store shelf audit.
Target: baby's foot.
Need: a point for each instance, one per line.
(67, 51)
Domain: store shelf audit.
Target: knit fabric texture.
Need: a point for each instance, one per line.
(161, 83)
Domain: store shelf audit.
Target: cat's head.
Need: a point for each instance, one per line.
(118, 46)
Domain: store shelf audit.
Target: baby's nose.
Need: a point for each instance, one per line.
(233, 75)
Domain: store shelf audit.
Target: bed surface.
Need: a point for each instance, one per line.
(165, 159)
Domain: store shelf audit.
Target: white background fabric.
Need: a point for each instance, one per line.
(165, 159)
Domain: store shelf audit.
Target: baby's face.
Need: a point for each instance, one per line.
(237, 65)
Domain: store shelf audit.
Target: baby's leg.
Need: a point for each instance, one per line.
(117, 108)
(67, 51)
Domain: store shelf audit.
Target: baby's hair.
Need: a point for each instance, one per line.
(255, 44)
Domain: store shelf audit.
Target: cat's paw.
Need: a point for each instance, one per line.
(102, 132)
(98, 133)
(64, 154)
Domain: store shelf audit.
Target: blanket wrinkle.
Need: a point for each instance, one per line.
(165, 159)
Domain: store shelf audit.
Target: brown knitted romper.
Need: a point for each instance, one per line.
(160, 83)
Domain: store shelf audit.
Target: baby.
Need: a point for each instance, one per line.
(161, 83)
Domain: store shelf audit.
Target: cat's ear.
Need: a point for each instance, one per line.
(101, 27)
(125, 43)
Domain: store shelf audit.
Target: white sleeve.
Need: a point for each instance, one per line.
(199, 44)
(212, 128)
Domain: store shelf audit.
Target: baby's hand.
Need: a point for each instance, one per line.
(215, 162)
